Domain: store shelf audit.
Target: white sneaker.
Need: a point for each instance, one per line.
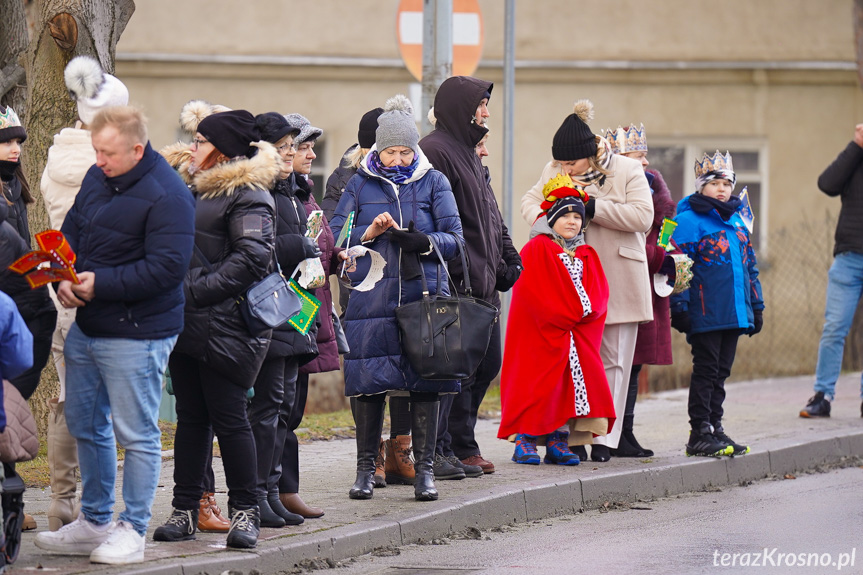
(123, 545)
(77, 538)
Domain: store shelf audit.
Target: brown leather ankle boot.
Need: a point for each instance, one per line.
(399, 463)
(210, 518)
(380, 471)
(294, 504)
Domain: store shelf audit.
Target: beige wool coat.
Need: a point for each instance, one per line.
(623, 215)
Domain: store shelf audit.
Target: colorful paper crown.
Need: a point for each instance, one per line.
(9, 119)
(717, 162)
(561, 186)
(625, 140)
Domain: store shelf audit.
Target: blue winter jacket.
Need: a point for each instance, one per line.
(375, 363)
(136, 232)
(725, 289)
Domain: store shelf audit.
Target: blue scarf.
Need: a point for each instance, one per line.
(395, 174)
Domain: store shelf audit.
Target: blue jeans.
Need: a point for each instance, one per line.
(844, 290)
(113, 389)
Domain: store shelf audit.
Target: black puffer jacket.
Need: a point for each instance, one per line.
(290, 228)
(234, 232)
(17, 217)
(844, 178)
(30, 302)
(451, 148)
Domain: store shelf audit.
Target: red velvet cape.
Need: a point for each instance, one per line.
(536, 387)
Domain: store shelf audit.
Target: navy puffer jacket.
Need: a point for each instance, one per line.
(375, 363)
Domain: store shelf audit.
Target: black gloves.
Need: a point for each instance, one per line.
(311, 249)
(759, 322)
(681, 322)
(410, 241)
(506, 276)
(668, 268)
(590, 208)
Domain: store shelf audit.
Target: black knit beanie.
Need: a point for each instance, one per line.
(231, 132)
(573, 140)
(368, 126)
(562, 206)
(273, 127)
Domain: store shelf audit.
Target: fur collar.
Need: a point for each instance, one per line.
(261, 171)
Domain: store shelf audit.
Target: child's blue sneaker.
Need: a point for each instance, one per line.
(525, 449)
(557, 450)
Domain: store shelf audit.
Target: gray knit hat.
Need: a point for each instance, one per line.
(396, 126)
(307, 131)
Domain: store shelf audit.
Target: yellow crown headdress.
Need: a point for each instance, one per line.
(625, 140)
(561, 186)
(712, 164)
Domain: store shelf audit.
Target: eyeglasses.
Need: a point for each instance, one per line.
(284, 147)
(199, 141)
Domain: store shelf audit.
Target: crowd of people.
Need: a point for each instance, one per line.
(169, 241)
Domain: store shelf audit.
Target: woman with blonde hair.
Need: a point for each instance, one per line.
(619, 214)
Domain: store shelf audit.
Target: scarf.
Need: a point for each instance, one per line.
(703, 204)
(7, 170)
(395, 174)
(603, 158)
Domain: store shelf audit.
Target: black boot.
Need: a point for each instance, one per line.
(245, 528)
(424, 428)
(369, 419)
(628, 445)
(269, 518)
(279, 508)
(180, 526)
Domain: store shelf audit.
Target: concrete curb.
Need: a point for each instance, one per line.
(503, 506)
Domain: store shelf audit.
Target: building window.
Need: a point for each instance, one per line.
(676, 161)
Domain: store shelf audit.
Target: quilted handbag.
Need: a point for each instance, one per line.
(446, 337)
(19, 442)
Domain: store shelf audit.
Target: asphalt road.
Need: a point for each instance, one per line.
(810, 524)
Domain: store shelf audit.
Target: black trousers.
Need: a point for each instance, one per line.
(264, 409)
(290, 417)
(209, 403)
(632, 391)
(712, 357)
(42, 328)
(458, 412)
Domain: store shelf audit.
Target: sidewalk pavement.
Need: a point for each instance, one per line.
(761, 413)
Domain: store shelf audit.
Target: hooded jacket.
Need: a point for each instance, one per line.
(30, 302)
(725, 288)
(375, 363)
(136, 232)
(17, 217)
(336, 184)
(844, 178)
(451, 148)
(234, 233)
(68, 161)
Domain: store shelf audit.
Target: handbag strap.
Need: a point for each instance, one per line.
(437, 251)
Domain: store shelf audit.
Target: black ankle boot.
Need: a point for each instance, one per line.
(245, 528)
(279, 509)
(269, 518)
(369, 419)
(628, 445)
(424, 416)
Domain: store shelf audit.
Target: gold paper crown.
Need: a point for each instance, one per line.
(625, 140)
(557, 182)
(717, 162)
(9, 119)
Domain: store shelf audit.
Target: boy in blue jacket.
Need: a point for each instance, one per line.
(723, 300)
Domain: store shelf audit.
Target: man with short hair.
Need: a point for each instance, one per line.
(843, 178)
(132, 227)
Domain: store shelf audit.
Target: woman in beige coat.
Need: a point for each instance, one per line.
(620, 213)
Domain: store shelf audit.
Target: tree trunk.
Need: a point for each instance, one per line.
(93, 29)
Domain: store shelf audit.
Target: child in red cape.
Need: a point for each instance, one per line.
(553, 386)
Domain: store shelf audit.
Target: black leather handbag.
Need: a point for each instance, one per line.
(268, 303)
(446, 337)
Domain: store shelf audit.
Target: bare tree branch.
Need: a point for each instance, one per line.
(13, 76)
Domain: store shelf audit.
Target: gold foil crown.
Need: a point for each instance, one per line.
(557, 182)
(625, 140)
(712, 164)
